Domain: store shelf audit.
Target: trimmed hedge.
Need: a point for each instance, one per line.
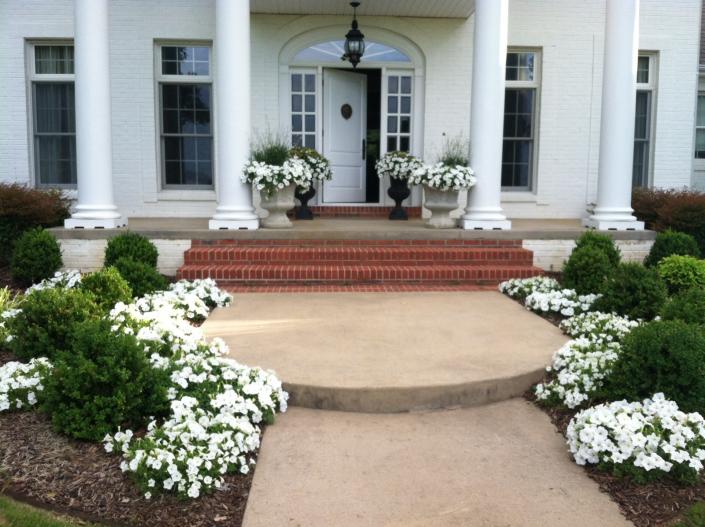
(688, 306)
(602, 242)
(133, 246)
(681, 273)
(671, 242)
(142, 278)
(108, 288)
(37, 256)
(632, 291)
(587, 270)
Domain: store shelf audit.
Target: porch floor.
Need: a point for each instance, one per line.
(347, 228)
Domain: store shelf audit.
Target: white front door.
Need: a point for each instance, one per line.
(344, 133)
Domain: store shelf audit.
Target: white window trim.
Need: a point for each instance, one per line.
(529, 193)
(699, 162)
(181, 192)
(32, 77)
(651, 86)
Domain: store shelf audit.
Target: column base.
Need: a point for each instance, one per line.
(93, 223)
(613, 225)
(233, 225)
(485, 225)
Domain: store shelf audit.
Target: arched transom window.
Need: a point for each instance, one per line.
(332, 51)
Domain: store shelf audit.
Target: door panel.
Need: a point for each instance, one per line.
(343, 135)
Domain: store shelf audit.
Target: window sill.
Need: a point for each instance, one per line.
(186, 195)
(518, 197)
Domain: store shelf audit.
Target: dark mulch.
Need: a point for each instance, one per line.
(6, 279)
(658, 504)
(81, 479)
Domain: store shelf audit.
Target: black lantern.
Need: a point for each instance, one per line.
(354, 40)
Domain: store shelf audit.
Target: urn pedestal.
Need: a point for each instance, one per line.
(441, 204)
(277, 204)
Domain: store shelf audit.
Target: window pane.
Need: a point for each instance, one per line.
(54, 108)
(172, 172)
(296, 122)
(310, 83)
(700, 144)
(332, 51)
(406, 84)
(310, 123)
(56, 159)
(296, 82)
(310, 141)
(640, 168)
(296, 140)
(642, 70)
(392, 124)
(701, 110)
(185, 60)
(404, 124)
(405, 105)
(391, 143)
(393, 84)
(641, 121)
(392, 104)
(310, 103)
(53, 59)
(172, 148)
(205, 173)
(404, 144)
(296, 103)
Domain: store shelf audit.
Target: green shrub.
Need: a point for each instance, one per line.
(694, 516)
(664, 356)
(108, 287)
(103, 382)
(688, 306)
(37, 256)
(680, 273)
(45, 325)
(23, 208)
(685, 212)
(603, 242)
(587, 269)
(671, 242)
(142, 278)
(632, 291)
(133, 246)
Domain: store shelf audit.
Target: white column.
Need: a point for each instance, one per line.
(489, 53)
(614, 183)
(96, 207)
(232, 93)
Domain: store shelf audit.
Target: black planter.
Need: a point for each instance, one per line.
(398, 191)
(304, 196)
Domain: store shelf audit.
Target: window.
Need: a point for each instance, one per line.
(643, 125)
(185, 103)
(398, 112)
(51, 75)
(303, 109)
(333, 50)
(700, 127)
(520, 114)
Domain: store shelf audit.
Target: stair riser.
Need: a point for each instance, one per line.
(484, 263)
(503, 244)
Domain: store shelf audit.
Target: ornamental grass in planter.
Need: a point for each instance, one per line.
(443, 182)
(399, 167)
(320, 171)
(275, 173)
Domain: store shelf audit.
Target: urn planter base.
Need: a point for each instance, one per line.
(441, 204)
(398, 191)
(304, 196)
(277, 205)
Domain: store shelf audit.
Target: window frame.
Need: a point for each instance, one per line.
(384, 132)
(534, 84)
(701, 93)
(159, 80)
(33, 78)
(652, 87)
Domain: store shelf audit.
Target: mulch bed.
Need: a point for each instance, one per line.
(657, 504)
(49, 470)
(6, 279)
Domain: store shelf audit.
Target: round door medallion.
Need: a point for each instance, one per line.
(346, 111)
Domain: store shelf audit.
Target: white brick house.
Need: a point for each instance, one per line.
(149, 142)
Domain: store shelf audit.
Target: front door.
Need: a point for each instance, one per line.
(344, 133)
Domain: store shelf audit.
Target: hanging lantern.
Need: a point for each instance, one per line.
(354, 41)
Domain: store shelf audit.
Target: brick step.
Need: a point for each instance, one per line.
(253, 274)
(288, 242)
(371, 255)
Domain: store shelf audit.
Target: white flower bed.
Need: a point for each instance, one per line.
(269, 179)
(443, 177)
(599, 327)
(66, 279)
(523, 287)
(21, 383)
(581, 366)
(317, 164)
(639, 437)
(565, 302)
(397, 165)
(205, 289)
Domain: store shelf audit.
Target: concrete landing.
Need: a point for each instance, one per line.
(390, 352)
(500, 465)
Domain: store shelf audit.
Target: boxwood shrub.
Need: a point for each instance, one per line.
(587, 269)
(663, 356)
(633, 291)
(680, 273)
(133, 246)
(47, 320)
(37, 256)
(142, 278)
(102, 382)
(671, 242)
(603, 242)
(688, 306)
(108, 287)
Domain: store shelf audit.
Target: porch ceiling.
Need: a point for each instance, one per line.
(411, 8)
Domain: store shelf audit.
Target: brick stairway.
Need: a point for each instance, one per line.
(357, 262)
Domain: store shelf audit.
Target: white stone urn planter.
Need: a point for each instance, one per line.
(441, 203)
(277, 204)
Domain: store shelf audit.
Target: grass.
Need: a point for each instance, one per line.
(694, 517)
(15, 514)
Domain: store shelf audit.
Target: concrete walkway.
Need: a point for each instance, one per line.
(390, 352)
(498, 465)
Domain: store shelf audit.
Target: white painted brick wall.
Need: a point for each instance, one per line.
(550, 255)
(569, 32)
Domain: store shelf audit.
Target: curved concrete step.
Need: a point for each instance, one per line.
(390, 352)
